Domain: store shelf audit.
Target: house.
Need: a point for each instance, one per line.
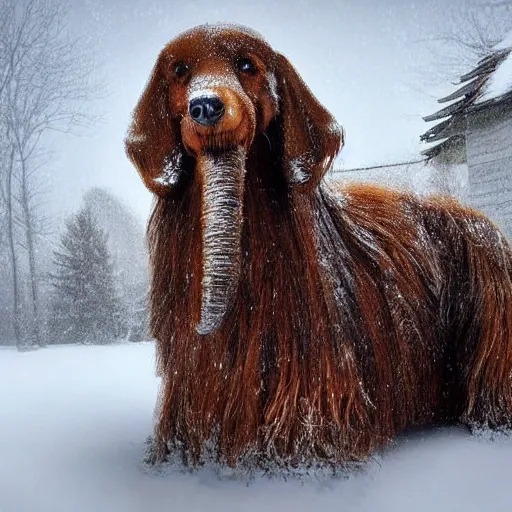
(475, 130)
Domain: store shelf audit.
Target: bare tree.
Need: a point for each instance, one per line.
(8, 209)
(474, 33)
(45, 82)
(7, 154)
(473, 30)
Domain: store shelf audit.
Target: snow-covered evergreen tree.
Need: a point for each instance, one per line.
(86, 308)
(129, 257)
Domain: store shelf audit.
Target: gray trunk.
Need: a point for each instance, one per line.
(223, 185)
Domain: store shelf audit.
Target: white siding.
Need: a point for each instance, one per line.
(489, 153)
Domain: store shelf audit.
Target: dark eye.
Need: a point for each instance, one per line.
(180, 69)
(246, 65)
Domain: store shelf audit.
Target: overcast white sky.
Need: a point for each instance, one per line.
(359, 57)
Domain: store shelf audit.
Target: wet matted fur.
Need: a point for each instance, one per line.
(293, 321)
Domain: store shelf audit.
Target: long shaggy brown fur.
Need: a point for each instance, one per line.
(358, 312)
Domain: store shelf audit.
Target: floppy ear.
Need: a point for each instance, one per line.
(152, 142)
(312, 138)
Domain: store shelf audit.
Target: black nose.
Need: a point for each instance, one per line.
(207, 110)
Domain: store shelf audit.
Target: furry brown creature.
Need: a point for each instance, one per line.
(295, 322)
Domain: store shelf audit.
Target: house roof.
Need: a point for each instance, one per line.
(500, 81)
(489, 83)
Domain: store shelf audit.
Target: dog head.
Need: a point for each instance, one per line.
(212, 91)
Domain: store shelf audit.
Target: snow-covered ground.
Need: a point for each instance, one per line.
(73, 422)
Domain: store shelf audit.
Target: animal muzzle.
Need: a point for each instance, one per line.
(222, 182)
(206, 110)
(220, 116)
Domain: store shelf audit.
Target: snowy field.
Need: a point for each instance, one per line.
(73, 422)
